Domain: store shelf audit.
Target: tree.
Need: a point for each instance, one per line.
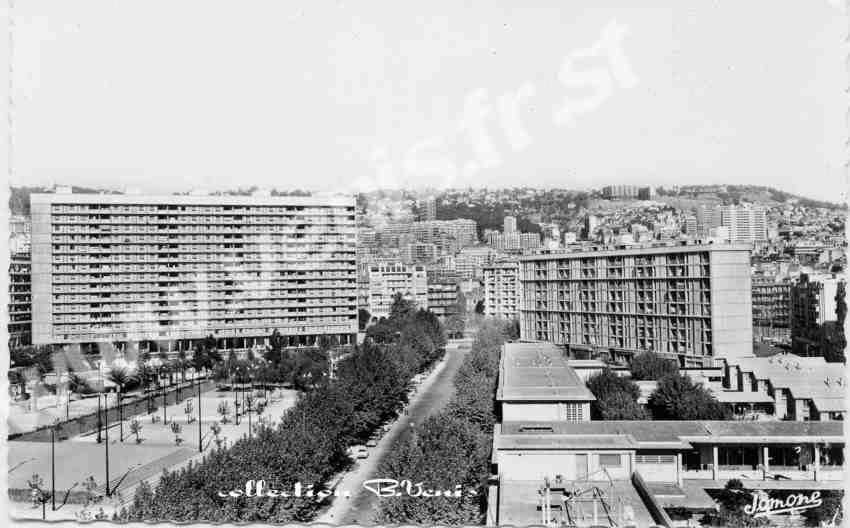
(831, 509)
(78, 384)
(620, 406)
(732, 499)
(136, 429)
(187, 410)
(616, 397)
(511, 330)
(121, 377)
(363, 318)
(308, 445)
(651, 366)
(479, 307)
(224, 411)
(401, 308)
(176, 428)
(677, 397)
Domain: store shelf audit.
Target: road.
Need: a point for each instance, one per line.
(432, 396)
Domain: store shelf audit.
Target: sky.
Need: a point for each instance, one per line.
(167, 96)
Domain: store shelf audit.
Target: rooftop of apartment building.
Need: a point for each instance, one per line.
(538, 372)
(805, 377)
(670, 435)
(198, 198)
(599, 250)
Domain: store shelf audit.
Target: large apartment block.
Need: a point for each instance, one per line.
(501, 290)
(689, 301)
(386, 279)
(813, 305)
(20, 300)
(174, 269)
(745, 223)
(771, 306)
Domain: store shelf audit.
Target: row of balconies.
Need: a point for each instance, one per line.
(201, 306)
(262, 296)
(270, 266)
(206, 316)
(112, 238)
(190, 220)
(187, 254)
(128, 287)
(136, 334)
(291, 273)
(126, 209)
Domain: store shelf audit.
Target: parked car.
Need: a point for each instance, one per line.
(362, 452)
(372, 442)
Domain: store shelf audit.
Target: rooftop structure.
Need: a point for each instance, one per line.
(801, 388)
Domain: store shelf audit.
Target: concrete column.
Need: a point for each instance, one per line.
(766, 457)
(817, 461)
(679, 469)
(716, 459)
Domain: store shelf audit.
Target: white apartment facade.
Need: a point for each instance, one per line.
(386, 279)
(501, 290)
(174, 269)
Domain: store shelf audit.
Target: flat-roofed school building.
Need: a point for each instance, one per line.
(536, 383)
(174, 269)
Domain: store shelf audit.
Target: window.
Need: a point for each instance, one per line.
(610, 461)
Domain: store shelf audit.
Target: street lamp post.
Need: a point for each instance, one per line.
(106, 443)
(164, 404)
(235, 396)
(248, 409)
(200, 435)
(53, 463)
(99, 420)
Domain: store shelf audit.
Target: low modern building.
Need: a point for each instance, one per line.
(786, 387)
(643, 473)
(20, 300)
(537, 383)
(172, 270)
(688, 301)
(501, 290)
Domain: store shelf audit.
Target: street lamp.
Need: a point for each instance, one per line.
(99, 420)
(53, 462)
(200, 435)
(106, 443)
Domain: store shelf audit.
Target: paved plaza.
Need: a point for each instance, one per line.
(81, 456)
